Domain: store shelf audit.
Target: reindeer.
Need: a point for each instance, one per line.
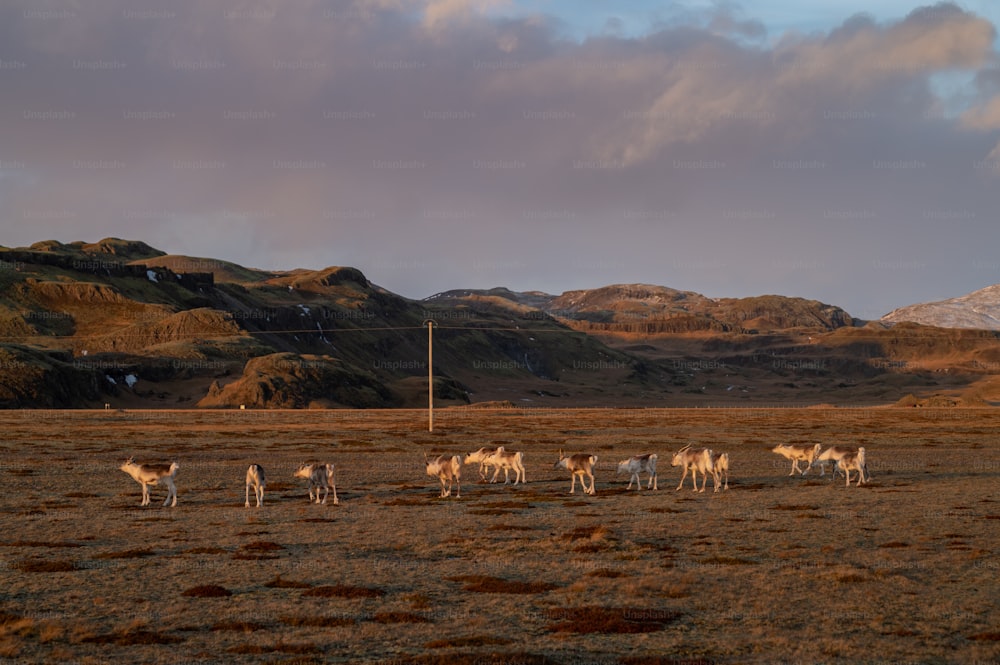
(695, 459)
(255, 479)
(833, 455)
(853, 462)
(448, 469)
(720, 467)
(796, 453)
(581, 465)
(506, 460)
(479, 457)
(639, 464)
(320, 477)
(152, 474)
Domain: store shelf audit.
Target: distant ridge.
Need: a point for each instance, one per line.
(651, 309)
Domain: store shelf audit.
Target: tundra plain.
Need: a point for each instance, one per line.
(778, 569)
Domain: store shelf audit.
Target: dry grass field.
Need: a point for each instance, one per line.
(778, 569)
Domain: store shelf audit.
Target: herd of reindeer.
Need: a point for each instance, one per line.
(448, 470)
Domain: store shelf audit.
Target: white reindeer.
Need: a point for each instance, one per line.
(580, 464)
(636, 465)
(695, 460)
(152, 474)
(797, 453)
(720, 467)
(506, 460)
(479, 457)
(255, 479)
(447, 469)
(320, 477)
(832, 455)
(853, 462)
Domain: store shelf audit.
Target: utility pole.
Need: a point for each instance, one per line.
(430, 323)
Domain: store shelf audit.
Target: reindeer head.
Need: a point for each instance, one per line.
(561, 463)
(679, 455)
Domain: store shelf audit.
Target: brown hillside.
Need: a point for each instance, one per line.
(179, 324)
(293, 381)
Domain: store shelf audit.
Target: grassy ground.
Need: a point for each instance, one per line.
(778, 569)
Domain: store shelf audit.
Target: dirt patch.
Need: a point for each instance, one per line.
(44, 566)
(468, 641)
(599, 619)
(343, 591)
(238, 626)
(207, 591)
(399, 617)
(487, 584)
(134, 553)
(316, 621)
(279, 583)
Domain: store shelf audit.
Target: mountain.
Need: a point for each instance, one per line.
(979, 309)
(643, 308)
(121, 323)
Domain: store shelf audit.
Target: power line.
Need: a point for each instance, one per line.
(128, 332)
(216, 333)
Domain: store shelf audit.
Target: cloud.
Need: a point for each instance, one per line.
(440, 144)
(711, 83)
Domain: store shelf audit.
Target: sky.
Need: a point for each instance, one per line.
(829, 150)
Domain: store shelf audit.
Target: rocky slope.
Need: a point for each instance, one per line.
(118, 321)
(979, 309)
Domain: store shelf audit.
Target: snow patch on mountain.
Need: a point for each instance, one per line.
(979, 309)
